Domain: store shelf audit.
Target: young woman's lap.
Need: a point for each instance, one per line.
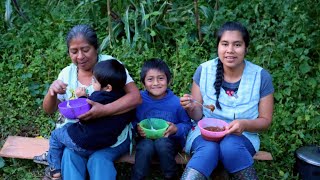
(205, 156)
(236, 153)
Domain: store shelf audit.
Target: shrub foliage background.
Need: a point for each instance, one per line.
(285, 41)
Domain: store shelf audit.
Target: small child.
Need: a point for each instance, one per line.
(159, 102)
(84, 137)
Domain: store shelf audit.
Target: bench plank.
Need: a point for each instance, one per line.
(28, 147)
(263, 156)
(24, 147)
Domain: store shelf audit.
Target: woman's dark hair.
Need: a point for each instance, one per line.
(84, 31)
(110, 72)
(157, 64)
(234, 26)
(228, 26)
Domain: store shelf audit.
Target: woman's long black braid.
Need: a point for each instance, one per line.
(218, 82)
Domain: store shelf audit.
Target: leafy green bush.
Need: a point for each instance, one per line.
(285, 36)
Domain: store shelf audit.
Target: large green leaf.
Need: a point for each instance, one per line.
(304, 68)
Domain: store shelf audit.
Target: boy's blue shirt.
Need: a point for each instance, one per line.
(167, 108)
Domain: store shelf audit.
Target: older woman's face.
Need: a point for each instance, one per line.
(231, 49)
(82, 53)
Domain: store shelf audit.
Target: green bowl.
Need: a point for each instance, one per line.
(159, 127)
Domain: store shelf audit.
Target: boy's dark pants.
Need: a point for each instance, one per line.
(164, 149)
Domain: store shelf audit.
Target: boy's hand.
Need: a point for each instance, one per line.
(140, 131)
(80, 91)
(172, 129)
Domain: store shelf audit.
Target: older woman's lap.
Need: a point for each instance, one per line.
(99, 164)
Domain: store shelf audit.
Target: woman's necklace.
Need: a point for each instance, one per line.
(231, 89)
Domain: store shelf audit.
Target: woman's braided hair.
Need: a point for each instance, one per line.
(218, 82)
(228, 26)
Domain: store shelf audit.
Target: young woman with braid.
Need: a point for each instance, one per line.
(243, 95)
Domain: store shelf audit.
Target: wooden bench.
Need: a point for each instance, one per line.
(27, 147)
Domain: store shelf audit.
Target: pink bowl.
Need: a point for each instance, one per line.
(211, 135)
(77, 107)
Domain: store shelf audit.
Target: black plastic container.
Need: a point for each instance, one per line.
(308, 162)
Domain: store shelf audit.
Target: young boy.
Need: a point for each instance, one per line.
(159, 102)
(84, 137)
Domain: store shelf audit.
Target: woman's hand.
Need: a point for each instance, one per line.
(140, 131)
(194, 110)
(185, 102)
(96, 111)
(172, 129)
(50, 101)
(236, 127)
(57, 87)
(255, 125)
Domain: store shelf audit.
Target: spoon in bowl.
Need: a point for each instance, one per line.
(68, 104)
(151, 127)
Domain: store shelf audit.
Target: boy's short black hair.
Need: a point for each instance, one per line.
(110, 72)
(155, 63)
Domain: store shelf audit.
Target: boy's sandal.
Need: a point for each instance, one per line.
(41, 159)
(52, 174)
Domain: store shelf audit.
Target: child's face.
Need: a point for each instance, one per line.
(156, 83)
(96, 85)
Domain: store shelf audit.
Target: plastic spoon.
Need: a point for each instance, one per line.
(151, 127)
(68, 104)
(210, 107)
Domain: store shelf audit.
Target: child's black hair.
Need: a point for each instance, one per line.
(228, 26)
(110, 72)
(155, 63)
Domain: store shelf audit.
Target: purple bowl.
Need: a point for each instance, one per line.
(77, 107)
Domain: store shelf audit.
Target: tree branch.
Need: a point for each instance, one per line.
(196, 13)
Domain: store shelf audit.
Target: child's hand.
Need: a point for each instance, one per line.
(140, 131)
(172, 129)
(81, 91)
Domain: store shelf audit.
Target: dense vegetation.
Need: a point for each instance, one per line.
(285, 41)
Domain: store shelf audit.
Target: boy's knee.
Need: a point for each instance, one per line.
(145, 146)
(163, 144)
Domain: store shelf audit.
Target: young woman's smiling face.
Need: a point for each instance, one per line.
(156, 83)
(232, 49)
(82, 53)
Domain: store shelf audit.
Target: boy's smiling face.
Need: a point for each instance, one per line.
(156, 83)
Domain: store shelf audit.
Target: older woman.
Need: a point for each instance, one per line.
(82, 43)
